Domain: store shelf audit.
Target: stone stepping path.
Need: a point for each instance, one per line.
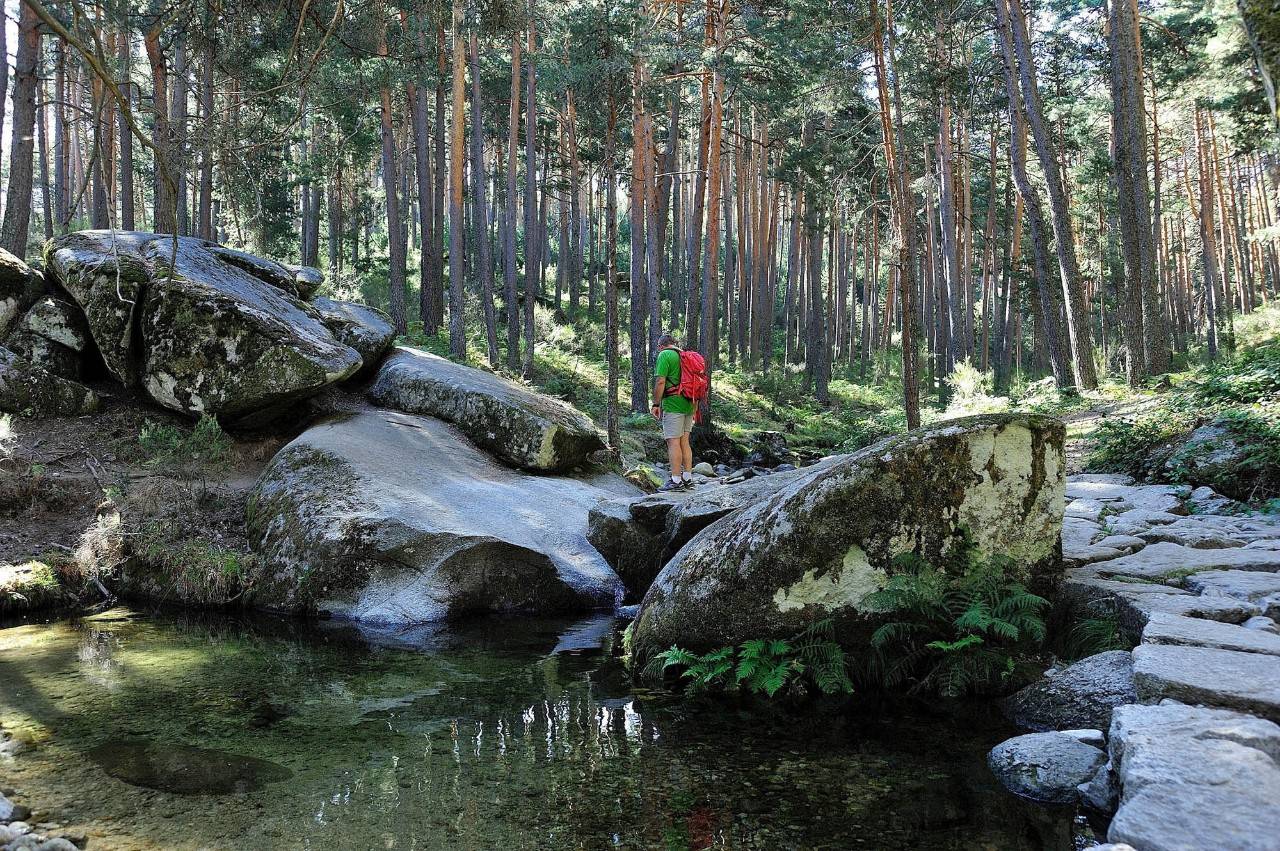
(1195, 762)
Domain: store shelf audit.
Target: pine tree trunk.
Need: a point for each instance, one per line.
(17, 210)
(457, 163)
(509, 213)
(1022, 64)
(532, 250)
(390, 185)
(480, 193)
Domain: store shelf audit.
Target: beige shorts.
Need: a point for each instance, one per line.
(675, 425)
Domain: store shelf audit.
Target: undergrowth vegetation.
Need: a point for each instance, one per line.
(811, 662)
(955, 631)
(1239, 455)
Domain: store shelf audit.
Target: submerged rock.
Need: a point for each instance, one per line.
(1046, 767)
(212, 337)
(34, 392)
(818, 547)
(1081, 695)
(185, 770)
(522, 427)
(392, 518)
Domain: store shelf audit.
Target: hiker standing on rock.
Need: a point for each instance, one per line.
(681, 386)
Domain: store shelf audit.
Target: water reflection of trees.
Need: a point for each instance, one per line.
(481, 735)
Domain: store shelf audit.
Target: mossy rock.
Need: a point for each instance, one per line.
(31, 391)
(818, 547)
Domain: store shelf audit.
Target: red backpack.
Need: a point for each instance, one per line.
(694, 384)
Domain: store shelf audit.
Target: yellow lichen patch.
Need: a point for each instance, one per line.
(848, 585)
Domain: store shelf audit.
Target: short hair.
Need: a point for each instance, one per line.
(666, 340)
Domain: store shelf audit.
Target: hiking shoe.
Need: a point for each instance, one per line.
(671, 485)
(687, 484)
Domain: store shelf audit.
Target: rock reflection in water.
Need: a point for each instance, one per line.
(185, 770)
(504, 733)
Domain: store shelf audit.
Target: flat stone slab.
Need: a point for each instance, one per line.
(1164, 628)
(1194, 778)
(1124, 497)
(1242, 681)
(1081, 695)
(1138, 607)
(1137, 520)
(1244, 584)
(1166, 561)
(520, 426)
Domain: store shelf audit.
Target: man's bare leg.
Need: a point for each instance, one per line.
(686, 453)
(675, 456)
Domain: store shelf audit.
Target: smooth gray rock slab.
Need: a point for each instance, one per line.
(525, 428)
(391, 518)
(1124, 497)
(1081, 695)
(1244, 584)
(1194, 535)
(1248, 682)
(1165, 560)
(1206, 500)
(1077, 534)
(1197, 632)
(1045, 767)
(1194, 778)
(1262, 623)
(1085, 509)
(1115, 479)
(1136, 520)
(1128, 543)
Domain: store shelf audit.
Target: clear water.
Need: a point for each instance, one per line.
(173, 732)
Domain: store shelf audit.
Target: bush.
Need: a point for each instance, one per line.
(164, 444)
(797, 667)
(953, 633)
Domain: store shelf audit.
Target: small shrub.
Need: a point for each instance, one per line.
(953, 633)
(810, 661)
(166, 445)
(1095, 635)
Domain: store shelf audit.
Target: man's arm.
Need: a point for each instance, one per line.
(659, 388)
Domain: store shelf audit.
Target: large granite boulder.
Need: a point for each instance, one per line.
(639, 536)
(20, 287)
(366, 329)
(34, 392)
(524, 428)
(827, 540)
(1080, 695)
(393, 518)
(198, 333)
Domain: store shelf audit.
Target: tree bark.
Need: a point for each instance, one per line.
(17, 211)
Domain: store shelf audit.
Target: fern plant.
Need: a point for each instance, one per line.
(953, 632)
(811, 660)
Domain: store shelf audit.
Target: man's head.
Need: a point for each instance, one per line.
(666, 341)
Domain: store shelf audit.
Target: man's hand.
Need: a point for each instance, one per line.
(656, 410)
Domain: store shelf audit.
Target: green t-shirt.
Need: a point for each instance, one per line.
(669, 368)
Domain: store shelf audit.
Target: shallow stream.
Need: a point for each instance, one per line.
(176, 732)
